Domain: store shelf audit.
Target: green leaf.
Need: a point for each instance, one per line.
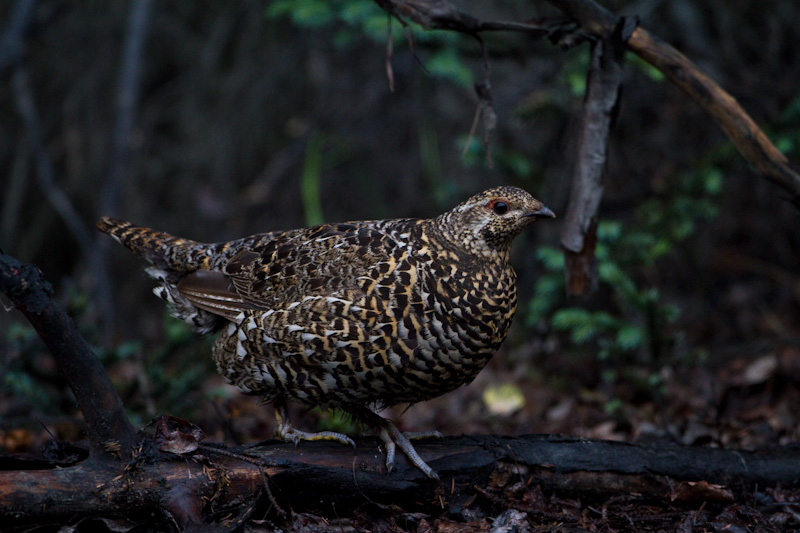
(649, 70)
(609, 230)
(552, 258)
(305, 13)
(630, 337)
(565, 319)
(448, 64)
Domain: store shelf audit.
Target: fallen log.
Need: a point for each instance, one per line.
(223, 485)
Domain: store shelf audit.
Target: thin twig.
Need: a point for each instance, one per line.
(741, 129)
(596, 22)
(12, 44)
(127, 102)
(126, 105)
(45, 174)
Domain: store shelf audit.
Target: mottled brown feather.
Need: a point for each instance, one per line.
(352, 315)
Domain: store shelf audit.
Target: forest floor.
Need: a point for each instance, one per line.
(747, 398)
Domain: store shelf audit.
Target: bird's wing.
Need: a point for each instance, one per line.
(323, 261)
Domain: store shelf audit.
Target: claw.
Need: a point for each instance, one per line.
(393, 437)
(287, 432)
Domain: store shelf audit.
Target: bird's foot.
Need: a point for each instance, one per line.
(285, 431)
(419, 435)
(393, 438)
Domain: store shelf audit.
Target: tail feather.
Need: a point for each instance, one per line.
(172, 259)
(162, 250)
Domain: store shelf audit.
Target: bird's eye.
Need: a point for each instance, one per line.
(499, 207)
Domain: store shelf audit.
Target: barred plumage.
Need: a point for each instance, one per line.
(358, 315)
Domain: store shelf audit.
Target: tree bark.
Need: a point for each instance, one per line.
(110, 433)
(595, 22)
(329, 478)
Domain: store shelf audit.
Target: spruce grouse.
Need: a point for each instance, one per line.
(357, 315)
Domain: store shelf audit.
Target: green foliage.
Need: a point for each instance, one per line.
(337, 421)
(508, 161)
(21, 376)
(354, 19)
(310, 182)
(446, 63)
(576, 65)
(636, 323)
(649, 70)
(176, 371)
(166, 379)
(786, 131)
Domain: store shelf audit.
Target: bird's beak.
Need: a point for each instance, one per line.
(543, 212)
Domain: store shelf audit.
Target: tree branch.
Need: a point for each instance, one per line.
(126, 102)
(109, 431)
(741, 129)
(578, 234)
(12, 44)
(328, 478)
(596, 22)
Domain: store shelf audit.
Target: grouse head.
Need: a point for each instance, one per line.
(486, 224)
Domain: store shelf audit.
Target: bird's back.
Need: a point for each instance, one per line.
(377, 311)
(385, 315)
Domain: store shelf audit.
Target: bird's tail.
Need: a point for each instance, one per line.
(172, 258)
(162, 250)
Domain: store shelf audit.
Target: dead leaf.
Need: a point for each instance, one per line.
(700, 491)
(176, 435)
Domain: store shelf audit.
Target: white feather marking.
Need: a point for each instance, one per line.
(240, 351)
(294, 327)
(308, 336)
(268, 339)
(266, 377)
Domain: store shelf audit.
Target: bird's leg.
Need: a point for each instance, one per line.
(391, 437)
(285, 431)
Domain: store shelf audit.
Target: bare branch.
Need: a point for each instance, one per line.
(596, 22)
(328, 477)
(108, 429)
(578, 236)
(23, 97)
(742, 130)
(126, 106)
(12, 45)
(127, 102)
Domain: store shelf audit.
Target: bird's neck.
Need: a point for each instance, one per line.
(448, 231)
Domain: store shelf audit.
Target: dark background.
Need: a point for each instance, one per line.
(235, 103)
